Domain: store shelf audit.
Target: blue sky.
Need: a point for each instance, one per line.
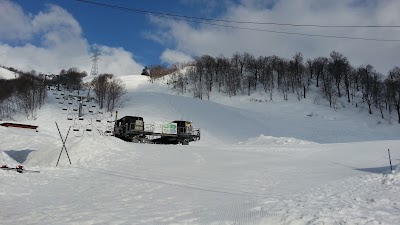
(50, 35)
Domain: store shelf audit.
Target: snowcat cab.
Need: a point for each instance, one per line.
(183, 127)
(186, 132)
(129, 128)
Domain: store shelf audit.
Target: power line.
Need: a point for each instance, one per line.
(154, 13)
(202, 21)
(304, 34)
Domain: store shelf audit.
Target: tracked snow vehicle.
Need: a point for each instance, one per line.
(133, 128)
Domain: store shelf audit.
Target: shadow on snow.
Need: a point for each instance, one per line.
(19, 155)
(383, 169)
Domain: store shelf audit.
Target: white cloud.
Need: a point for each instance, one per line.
(61, 43)
(14, 24)
(117, 59)
(171, 56)
(197, 40)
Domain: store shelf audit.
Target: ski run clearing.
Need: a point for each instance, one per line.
(279, 162)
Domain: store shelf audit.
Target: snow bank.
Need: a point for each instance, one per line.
(269, 140)
(393, 178)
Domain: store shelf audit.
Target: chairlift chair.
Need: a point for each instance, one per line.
(89, 127)
(70, 116)
(75, 127)
(109, 131)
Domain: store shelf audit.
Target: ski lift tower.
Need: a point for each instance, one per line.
(80, 100)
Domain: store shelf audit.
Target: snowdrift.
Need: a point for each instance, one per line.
(268, 140)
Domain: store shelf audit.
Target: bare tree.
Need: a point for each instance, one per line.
(99, 85)
(115, 90)
(328, 88)
(394, 88)
(7, 90)
(320, 66)
(158, 71)
(72, 78)
(179, 82)
(367, 74)
(338, 68)
(30, 93)
(195, 81)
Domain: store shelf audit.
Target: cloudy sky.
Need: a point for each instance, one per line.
(50, 35)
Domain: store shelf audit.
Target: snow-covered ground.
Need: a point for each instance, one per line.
(256, 163)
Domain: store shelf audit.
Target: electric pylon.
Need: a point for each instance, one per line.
(95, 57)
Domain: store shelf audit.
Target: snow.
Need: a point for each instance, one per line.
(269, 140)
(280, 162)
(6, 74)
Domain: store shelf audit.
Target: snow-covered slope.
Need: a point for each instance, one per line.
(6, 74)
(256, 163)
(233, 120)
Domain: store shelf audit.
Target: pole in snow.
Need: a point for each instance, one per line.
(80, 107)
(63, 147)
(115, 121)
(390, 161)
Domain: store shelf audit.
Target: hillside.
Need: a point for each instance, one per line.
(280, 162)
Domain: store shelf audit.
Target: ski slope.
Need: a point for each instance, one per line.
(256, 163)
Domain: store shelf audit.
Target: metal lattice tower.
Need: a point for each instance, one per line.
(95, 58)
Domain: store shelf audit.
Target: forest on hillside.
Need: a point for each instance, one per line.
(27, 92)
(242, 74)
(333, 75)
